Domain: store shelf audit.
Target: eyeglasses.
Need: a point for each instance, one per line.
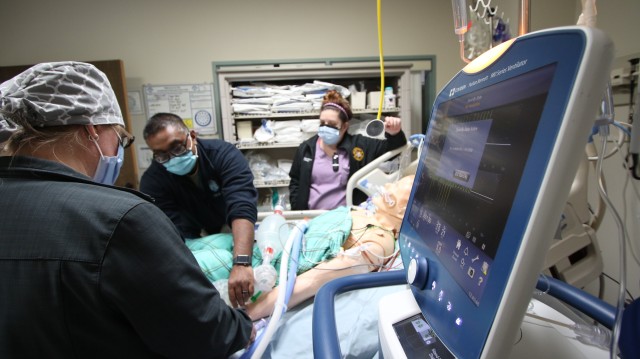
(176, 151)
(125, 140)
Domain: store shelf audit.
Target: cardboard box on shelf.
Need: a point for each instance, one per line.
(373, 99)
(358, 100)
(245, 132)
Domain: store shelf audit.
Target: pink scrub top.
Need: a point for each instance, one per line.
(328, 188)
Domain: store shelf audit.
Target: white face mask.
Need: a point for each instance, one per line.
(329, 135)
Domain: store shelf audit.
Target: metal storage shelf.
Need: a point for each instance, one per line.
(239, 116)
(264, 146)
(269, 184)
(411, 77)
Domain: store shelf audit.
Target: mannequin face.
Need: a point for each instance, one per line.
(393, 203)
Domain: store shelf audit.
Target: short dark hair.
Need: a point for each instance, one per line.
(162, 120)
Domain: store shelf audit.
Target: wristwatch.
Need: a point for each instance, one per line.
(242, 260)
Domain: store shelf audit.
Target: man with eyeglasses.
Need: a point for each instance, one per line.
(203, 185)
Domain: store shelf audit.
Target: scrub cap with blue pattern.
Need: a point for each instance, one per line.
(57, 94)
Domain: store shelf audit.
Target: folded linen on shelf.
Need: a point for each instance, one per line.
(314, 88)
(286, 125)
(296, 137)
(259, 90)
(253, 100)
(250, 108)
(293, 107)
(341, 89)
(310, 125)
(315, 96)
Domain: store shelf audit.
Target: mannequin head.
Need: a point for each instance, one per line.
(391, 204)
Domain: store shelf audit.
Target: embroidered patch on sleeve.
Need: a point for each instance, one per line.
(358, 153)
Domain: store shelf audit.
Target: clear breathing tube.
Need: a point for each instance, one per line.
(604, 131)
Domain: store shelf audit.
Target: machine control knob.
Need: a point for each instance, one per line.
(417, 272)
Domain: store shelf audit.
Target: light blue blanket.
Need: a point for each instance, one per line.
(321, 241)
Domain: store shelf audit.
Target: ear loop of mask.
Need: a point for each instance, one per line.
(95, 141)
(193, 143)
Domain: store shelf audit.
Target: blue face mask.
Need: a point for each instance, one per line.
(181, 165)
(109, 167)
(329, 135)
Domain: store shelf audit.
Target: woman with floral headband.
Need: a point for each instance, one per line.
(324, 163)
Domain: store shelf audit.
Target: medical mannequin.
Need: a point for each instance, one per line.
(370, 246)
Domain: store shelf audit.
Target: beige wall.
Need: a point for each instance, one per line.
(164, 42)
(168, 42)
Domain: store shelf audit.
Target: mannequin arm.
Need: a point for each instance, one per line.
(308, 283)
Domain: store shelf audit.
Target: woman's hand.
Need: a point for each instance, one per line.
(392, 125)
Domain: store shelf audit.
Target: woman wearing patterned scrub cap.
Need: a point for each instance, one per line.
(88, 269)
(44, 110)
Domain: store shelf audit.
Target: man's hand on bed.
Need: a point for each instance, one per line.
(240, 285)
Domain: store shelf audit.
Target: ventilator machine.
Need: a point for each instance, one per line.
(501, 150)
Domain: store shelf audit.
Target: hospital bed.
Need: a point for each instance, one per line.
(292, 338)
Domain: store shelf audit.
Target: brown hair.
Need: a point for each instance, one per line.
(333, 100)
